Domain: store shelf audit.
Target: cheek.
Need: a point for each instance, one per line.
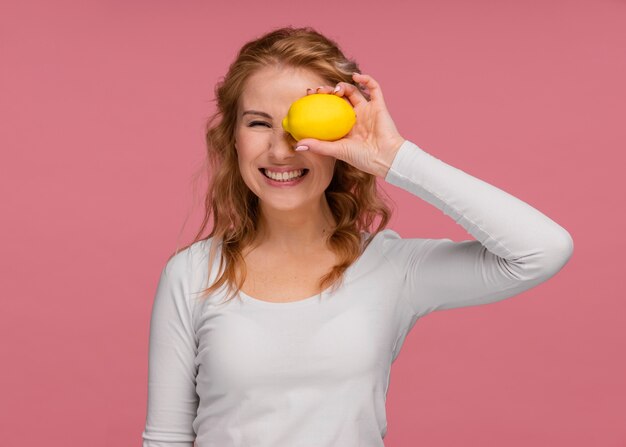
(331, 169)
(244, 158)
(247, 174)
(325, 174)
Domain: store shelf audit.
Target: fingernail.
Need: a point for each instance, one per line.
(302, 148)
(337, 88)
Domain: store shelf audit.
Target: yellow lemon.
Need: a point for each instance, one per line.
(321, 116)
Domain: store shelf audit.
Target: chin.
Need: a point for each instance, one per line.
(286, 203)
(282, 205)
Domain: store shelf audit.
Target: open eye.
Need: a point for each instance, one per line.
(254, 123)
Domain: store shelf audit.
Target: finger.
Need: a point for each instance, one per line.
(320, 89)
(322, 147)
(351, 92)
(374, 88)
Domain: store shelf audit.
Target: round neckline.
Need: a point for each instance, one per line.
(304, 301)
(290, 304)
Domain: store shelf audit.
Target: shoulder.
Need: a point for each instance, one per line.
(185, 274)
(389, 239)
(399, 250)
(189, 259)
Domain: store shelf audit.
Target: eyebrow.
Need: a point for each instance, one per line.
(256, 112)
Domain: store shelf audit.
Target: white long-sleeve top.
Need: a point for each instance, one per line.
(315, 372)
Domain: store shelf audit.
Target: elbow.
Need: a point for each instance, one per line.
(541, 264)
(569, 245)
(564, 248)
(557, 254)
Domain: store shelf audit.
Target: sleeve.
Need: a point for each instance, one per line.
(172, 399)
(516, 247)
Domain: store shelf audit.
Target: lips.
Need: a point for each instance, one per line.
(282, 169)
(281, 184)
(305, 171)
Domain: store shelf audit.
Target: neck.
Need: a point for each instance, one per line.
(296, 231)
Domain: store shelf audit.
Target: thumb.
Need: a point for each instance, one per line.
(322, 147)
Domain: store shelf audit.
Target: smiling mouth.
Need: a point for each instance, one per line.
(305, 171)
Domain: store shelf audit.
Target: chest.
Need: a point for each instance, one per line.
(246, 347)
(277, 278)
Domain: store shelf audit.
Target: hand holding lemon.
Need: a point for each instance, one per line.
(372, 140)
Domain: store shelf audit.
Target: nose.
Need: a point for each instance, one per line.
(282, 145)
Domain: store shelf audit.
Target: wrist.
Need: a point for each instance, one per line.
(389, 155)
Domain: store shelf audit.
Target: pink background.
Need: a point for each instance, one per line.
(102, 112)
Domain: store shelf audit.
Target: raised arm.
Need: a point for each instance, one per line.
(516, 247)
(172, 398)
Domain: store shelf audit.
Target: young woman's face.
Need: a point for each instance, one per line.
(261, 142)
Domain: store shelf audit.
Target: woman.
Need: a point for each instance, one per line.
(302, 357)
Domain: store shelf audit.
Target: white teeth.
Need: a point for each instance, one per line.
(283, 176)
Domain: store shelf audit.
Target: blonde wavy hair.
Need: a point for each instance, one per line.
(352, 194)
